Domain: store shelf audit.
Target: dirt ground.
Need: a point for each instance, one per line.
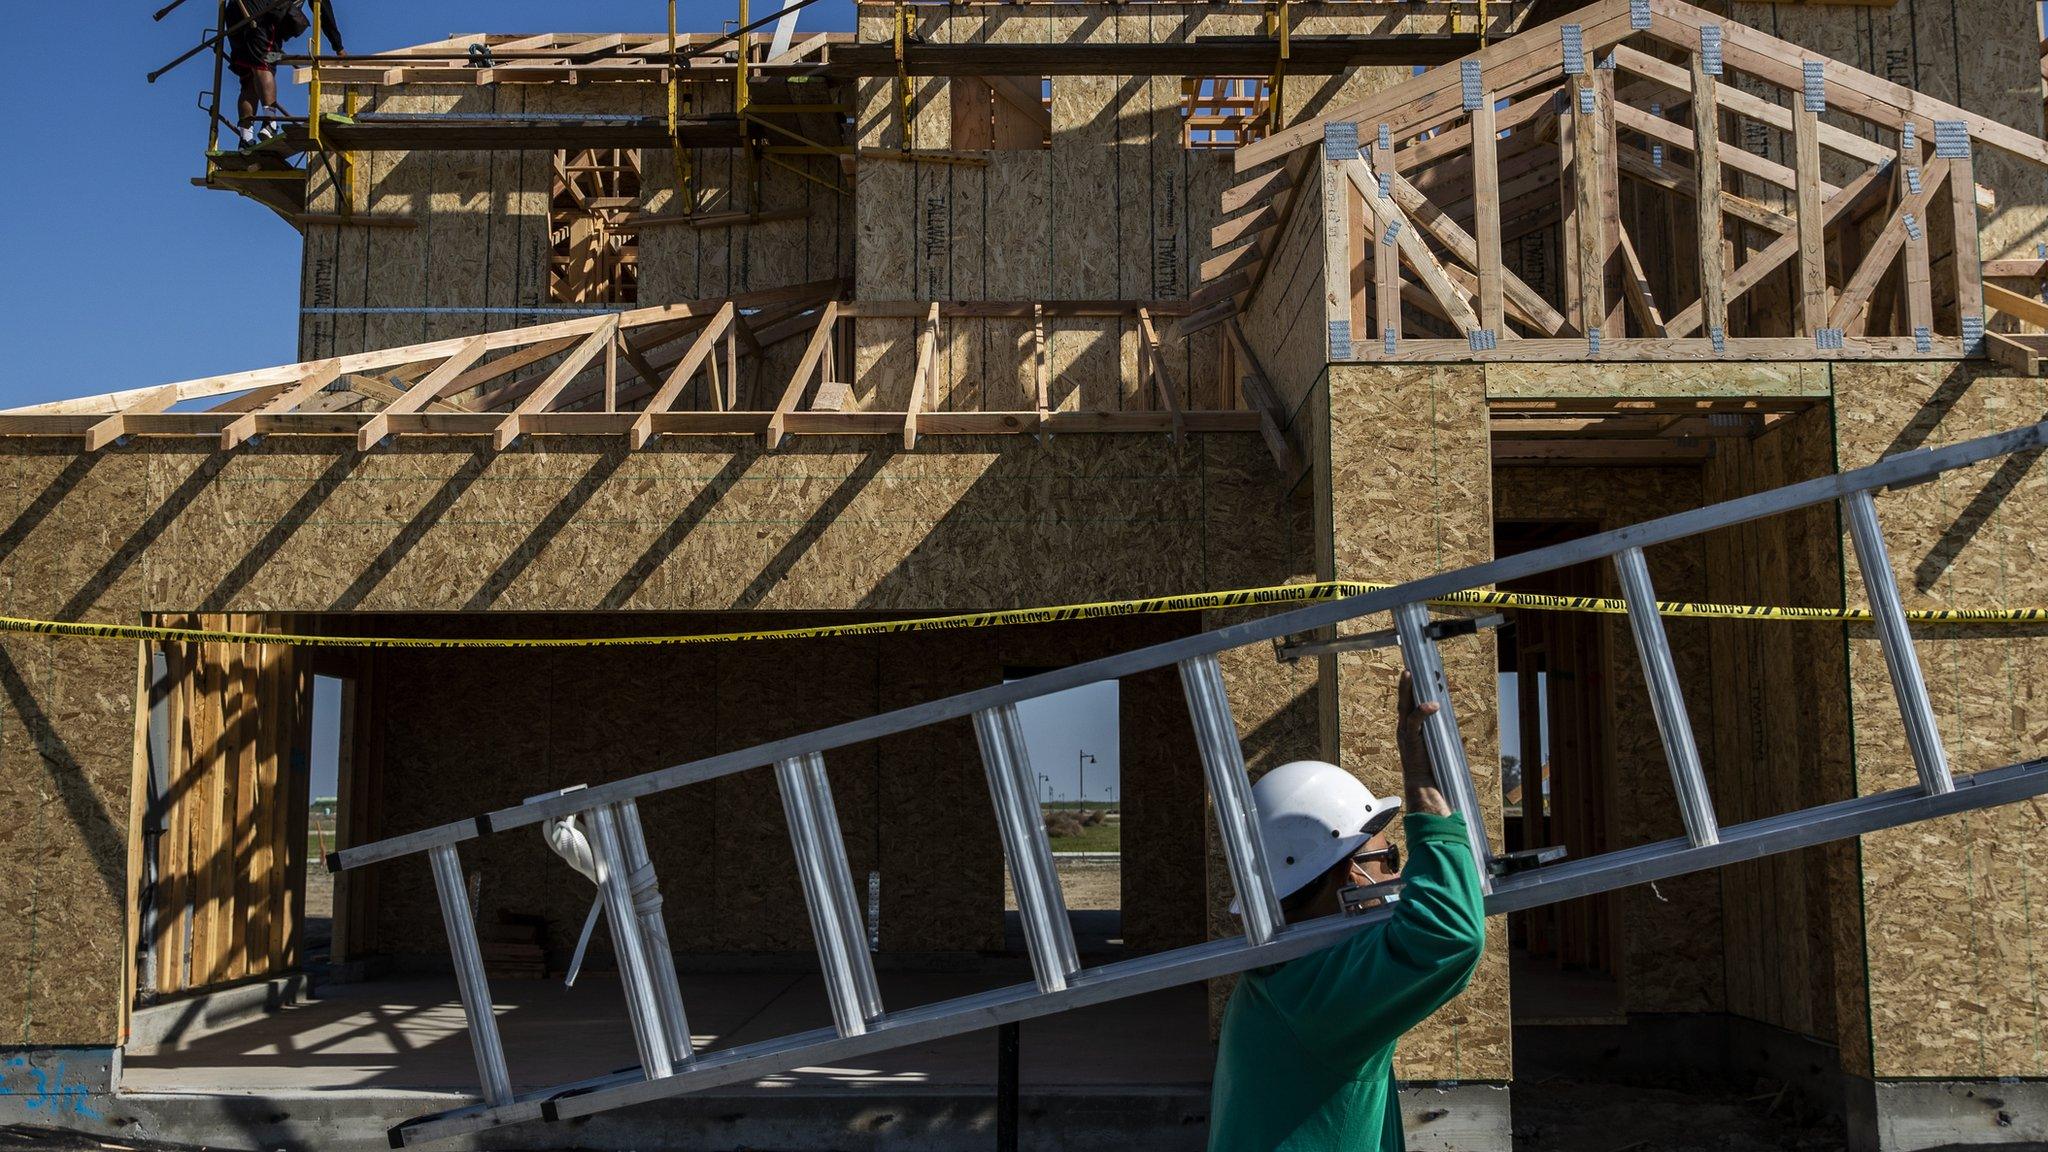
(1088, 885)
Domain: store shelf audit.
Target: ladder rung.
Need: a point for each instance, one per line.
(469, 975)
(628, 947)
(1237, 817)
(1689, 780)
(828, 892)
(1048, 934)
(1923, 738)
(1440, 734)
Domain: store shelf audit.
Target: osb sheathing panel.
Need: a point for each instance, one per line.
(1116, 208)
(1981, 54)
(1781, 729)
(568, 525)
(1410, 493)
(480, 232)
(1283, 322)
(1670, 934)
(1955, 940)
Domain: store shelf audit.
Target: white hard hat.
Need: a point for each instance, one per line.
(1311, 815)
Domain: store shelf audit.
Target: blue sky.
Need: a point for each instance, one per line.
(121, 273)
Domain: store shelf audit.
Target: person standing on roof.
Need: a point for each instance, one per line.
(1306, 1059)
(258, 32)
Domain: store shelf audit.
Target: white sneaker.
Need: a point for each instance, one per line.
(269, 131)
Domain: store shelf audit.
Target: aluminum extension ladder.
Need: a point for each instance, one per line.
(860, 1022)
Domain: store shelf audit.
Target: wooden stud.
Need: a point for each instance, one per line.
(1162, 376)
(679, 378)
(1636, 289)
(1813, 269)
(421, 394)
(1969, 267)
(813, 358)
(1412, 248)
(1888, 242)
(1762, 264)
(1486, 214)
(538, 400)
(1336, 251)
(927, 363)
(320, 376)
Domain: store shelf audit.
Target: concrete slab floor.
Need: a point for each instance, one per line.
(409, 1035)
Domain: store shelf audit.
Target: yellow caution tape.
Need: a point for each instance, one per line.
(1145, 606)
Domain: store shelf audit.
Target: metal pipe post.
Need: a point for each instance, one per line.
(1897, 641)
(661, 958)
(469, 975)
(1695, 804)
(828, 893)
(642, 1009)
(1440, 735)
(1048, 934)
(1230, 788)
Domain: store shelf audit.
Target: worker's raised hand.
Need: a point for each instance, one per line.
(1412, 713)
(1418, 781)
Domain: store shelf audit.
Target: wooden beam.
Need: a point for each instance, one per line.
(1636, 289)
(1412, 248)
(420, 394)
(1041, 369)
(1261, 398)
(1773, 257)
(679, 378)
(1486, 215)
(2016, 306)
(244, 426)
(1813, 252)
(538, 400)
(1336, 233)
(1465, 247)
(114, 427)
(920, 382)
(1706, 126)
(1413, 104)
(1969, 268)
(1742, 160)
(1675, 177)
(1877, 258)
(1162, 377)
(793, 392)
(1589, 252)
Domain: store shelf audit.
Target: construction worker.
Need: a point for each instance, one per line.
(258, 30)
(1306, 1059)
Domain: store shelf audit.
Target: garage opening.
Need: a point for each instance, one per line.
(279, 755)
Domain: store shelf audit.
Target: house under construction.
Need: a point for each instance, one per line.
(991, 306)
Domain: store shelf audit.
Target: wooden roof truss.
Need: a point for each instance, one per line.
(695, 368)
(1639, 180)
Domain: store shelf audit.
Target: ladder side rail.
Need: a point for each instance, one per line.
(1041, 905)
(1440, 735)
(1923, 737)
(1667, 703)
(828, 893)
(642, 1009)
(1602, 873)
(470, 981)
(1230, 790)
(1906, 468)
(661, 956)
(1606, 872)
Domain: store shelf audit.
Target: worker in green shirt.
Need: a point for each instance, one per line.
(1306, 1060)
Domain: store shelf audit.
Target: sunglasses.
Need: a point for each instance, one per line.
(1390, 857)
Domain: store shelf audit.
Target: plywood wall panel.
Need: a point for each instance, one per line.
(1945, 901)
(1410, 492)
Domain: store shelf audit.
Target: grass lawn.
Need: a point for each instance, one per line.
(1104, 837)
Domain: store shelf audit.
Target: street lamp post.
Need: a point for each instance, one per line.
(1081, 762)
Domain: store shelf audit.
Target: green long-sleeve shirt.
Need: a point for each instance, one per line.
(1306, 1062)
